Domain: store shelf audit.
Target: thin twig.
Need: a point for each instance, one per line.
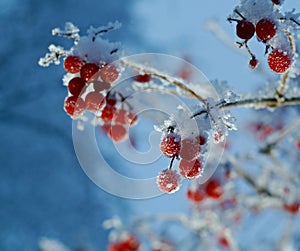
(163, 76)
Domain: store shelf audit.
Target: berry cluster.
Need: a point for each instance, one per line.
(190, 165)
(211, 189)
(268, 30)
(130, 243)
(90, 81)
(90, 89)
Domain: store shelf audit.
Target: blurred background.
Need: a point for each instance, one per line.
(43, 190)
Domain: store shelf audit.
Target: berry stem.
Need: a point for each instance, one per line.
(239, 13)
(171, 163)
(162, 76)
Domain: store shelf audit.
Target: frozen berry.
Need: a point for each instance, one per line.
(108, 113)
(142, 78)
(170, 145)
(222, 240)
(74, 106)
(109, 73)
(292, 208)
(245, 29)
(279, 60)
(190, 169)
(168, 181)
(277, 2)
(253, 63)
(111, 100)
(73, 64)
(94, 101)
(190, 149)
(117, 133)
(76, 85)
(201, 140)
(88, 72)
(195, 196)
(265, 29)
(213, 189)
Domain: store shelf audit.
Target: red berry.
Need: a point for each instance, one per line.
(111, 100)
(109, 73)
(190, 149)
(120, 117)
(223, 242)
(170, 145)
(277, 2)
(245, 29)
(99, 86)
(195, 196)
(76, 85)
(253, 63)
(108, 113)
(190, 169)
(265, 29)
(131, 244)
(74, 106)
(142, 78)
(279, 60)
(201, 140)
(213, 189)
(94, 101)
(168, 181)
(88, 72)
(73, 64)
(298, 144)
(292, 208)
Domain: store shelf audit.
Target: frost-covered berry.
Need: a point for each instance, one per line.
(76, 85)
(277, 2)
(88, 72)
(292, 208)
(108, 113)
(190, 169)
(74, 106)
(142, 78)
(265, 29)
(168, 181)
(222, 240)
(170, 145)
(213, 189)
(201, 140)
(73, 64)
(253, 63)
(245, 29)
(279, 60)
(129, 244)
(94, 101)
(195, 195)
(190, 149)
(117, 133)
(109, 73)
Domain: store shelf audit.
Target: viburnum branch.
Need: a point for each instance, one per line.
(163, 76)
(240, 172)
(280, 135)
(262, 103)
